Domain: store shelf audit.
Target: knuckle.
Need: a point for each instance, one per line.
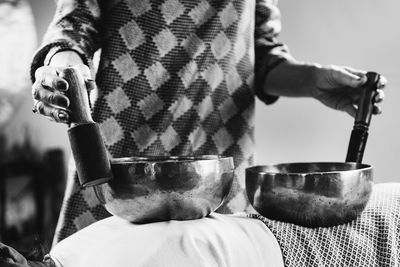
(36, 94)
(83, 69)
(38, 73)
(40, 108)
(36, 91)
(37, 84)
(54, 114)
(50, 98)
(45, 81)
(48, 80)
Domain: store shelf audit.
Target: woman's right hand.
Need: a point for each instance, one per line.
(48, 94)
(49, 91)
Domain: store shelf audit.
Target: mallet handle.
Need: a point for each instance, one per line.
(88, 149)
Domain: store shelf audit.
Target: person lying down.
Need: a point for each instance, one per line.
(373, 239)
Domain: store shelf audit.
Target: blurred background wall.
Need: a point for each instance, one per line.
(44, 133)
(364, 34)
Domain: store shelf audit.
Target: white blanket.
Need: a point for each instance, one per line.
(217, 240)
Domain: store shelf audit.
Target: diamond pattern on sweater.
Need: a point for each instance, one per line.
(197, 138)
(193, 45)
(132, 35)
(170, 139)
(228, 16)
(248, 116)
(233, 81)
(240, 50)
(188, 73)
(126, 67)
(227, 109)
(202, 12)
(138, 8)
(171, 10)
(223, 140)
(246, 145)
(238, 201)
(84, 220)
(250, 80)
(180, 107)
(220, 46)
(150, 105)
(165, 41)
(213, 75)
(112, 131)
(156, 75)
(91, 199)
(205, 108)
(144, 137)
(117, 100)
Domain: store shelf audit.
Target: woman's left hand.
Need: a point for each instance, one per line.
(341, 87)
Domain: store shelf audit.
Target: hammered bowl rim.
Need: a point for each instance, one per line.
(256, 169)
(168, 159)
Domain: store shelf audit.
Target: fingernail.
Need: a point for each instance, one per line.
(61, 101)
(381, 85)
(378, 97)
(63, 116)
(62, 85)
(377, 110)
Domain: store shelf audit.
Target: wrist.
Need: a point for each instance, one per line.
(293, 79)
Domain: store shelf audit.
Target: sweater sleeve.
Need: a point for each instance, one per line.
(268, 51)
(76, 27)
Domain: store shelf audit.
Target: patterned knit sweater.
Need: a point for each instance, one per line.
(175, 77)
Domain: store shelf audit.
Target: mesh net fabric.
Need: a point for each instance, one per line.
(373, 239)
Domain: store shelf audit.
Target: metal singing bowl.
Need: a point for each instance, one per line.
(316, 194)
(166, 188)
(319, 193)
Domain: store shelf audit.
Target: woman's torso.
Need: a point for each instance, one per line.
(175, 77)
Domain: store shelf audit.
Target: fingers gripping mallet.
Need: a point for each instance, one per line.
(88, 149)
(359, 135)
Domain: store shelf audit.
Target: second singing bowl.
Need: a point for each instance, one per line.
(166, 188)
(318, 194)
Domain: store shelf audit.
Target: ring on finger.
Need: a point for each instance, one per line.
(35, 108)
